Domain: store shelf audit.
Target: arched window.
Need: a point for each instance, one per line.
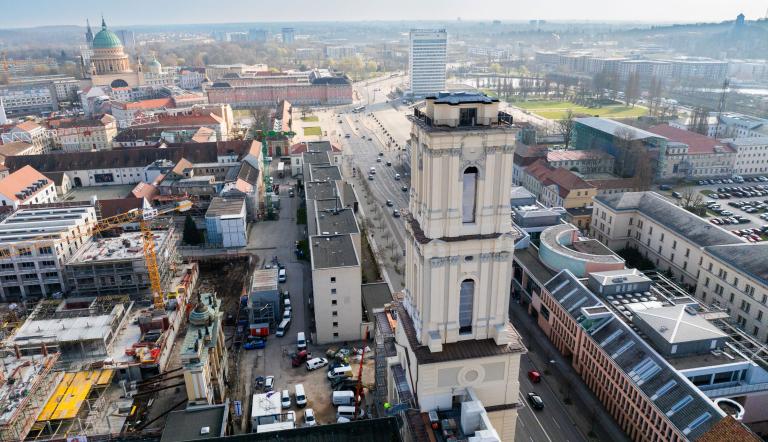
(466, 303)
(469, 195)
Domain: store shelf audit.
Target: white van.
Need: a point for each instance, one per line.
(287, 302)
(301, 341)
(281, 276)
(283, 327)
(343, 398)
(287, 314)
(301, 397)
(372, 170)
(340, 372)
(348, 412)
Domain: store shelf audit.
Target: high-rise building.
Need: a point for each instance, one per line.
(288, 35)
(452, 321)
(259, 35)
(426, 61)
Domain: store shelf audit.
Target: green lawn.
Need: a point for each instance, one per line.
(313, 131)
(311, 118)
(555, 110)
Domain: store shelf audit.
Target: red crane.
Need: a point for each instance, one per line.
(359, 387)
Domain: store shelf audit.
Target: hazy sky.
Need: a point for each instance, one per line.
(16, 13)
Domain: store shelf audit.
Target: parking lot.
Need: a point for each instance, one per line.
(739, 206)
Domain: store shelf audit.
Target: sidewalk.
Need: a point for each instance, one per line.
(563, 377)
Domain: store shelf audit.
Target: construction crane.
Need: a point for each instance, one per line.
(359, 386)
(142, 216)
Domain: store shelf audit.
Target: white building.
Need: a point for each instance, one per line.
(26, 186)
(36, 268)
(734, 125)
(751, 155)
(426, 61)
(336, 279)
(453, 332)
(225, 222)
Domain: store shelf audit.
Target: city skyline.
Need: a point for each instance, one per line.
(243, 11)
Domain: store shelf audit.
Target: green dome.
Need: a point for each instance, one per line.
(154, 63)
(106, 39)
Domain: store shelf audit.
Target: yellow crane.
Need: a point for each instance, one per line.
(142, 216)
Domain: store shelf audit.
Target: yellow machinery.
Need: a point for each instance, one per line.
(136, 215)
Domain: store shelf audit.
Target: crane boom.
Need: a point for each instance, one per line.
(142, 216)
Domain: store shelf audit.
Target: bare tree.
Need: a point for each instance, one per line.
(690, 198)
(565, 127)
(632, 89)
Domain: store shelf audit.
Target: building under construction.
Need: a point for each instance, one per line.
(77, 328)
(25, 384)
(112, 266)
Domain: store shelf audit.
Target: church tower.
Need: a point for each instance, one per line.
(459, 246)
(88, 33)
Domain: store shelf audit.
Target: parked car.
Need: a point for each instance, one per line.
(281, 276)
(678, 195)
(396, 213)
(404, 188)
(285, 399)
(536, 401)
(269, 383)
(309, 417)
(315, 363)
(253, 344)
(390, 203)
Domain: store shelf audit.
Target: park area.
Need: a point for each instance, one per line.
(556, 110)
(311, 118)
(313, 131)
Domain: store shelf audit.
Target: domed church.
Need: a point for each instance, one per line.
(109, 64)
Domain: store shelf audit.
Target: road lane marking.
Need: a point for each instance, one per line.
(533, 413)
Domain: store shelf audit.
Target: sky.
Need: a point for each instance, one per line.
(14, 13)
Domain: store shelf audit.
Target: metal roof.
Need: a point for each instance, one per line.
(676, 325)
(333, 251)
(611, 126)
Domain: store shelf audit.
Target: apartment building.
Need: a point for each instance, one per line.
(336, 280)
(204, 353)
(561, 188)
(581, 161)
(26, 186)
(736, 125)
(84, 135)
(40, 241)
(30, 132)
(427, 56)
(751, 155)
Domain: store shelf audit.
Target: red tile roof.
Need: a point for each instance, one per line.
(112, 207)
(155, 103)
(145, 190)
(27, 126)
(566, 181)
(697, 143)
(20, 180)
(576, 155)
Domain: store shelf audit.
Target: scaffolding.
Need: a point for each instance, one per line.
(23, 396)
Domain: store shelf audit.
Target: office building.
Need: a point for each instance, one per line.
(751, 155)
(289, 35)
(427, 57)
(258, 35)
(664, 367)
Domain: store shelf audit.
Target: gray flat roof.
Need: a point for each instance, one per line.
(375, 296)
(324, 172)
(611, 126)
(336, 222)
(316, 158)
(186, 424)
(749, 258)
(319, 190)
(333, 251)
(462, 97)
(676, 325)
(666, 213)
(229, 206)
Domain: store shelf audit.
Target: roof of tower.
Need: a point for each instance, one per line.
(106, 39)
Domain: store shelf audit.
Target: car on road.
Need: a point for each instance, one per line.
(389, 163)
(536, 401)
(381, 154)
(269, 383)
(535, 376)
(378, 160)
(396, 213)
(390, 203)
(315, 363)
(291, 193)
(404, 188)
(397, 177)
(346, 136)
(370, 177)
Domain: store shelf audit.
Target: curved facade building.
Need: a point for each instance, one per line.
(561, 247)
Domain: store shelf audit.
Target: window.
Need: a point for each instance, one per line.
(335, 334)
(334, 313)
(27, 265)
(46, 250)
(333, 291)
(6, 266)
(469, 194)
(333, 279)
(466, 304)
(335, 324)
(674, 245)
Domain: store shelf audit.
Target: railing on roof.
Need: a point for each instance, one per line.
(501, 119)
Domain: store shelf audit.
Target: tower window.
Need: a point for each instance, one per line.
(469, 195)
(466, 303)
